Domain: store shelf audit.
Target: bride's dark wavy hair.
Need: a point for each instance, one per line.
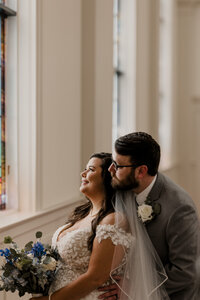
(83, 210)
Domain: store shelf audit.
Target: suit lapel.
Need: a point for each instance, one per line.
(157, 188)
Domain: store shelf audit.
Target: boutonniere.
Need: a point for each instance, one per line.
(148, 211)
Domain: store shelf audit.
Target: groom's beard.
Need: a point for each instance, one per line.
(129, 183)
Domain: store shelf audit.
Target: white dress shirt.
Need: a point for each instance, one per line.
(141, 197)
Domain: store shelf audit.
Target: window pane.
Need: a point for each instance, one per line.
(165, 82)
(116, 31)
(124, 48)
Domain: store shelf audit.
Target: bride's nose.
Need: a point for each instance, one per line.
(83, 173)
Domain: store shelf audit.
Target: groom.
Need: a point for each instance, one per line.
(173, 226)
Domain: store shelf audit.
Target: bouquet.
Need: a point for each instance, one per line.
(28, 270)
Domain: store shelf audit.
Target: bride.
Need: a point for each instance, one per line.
(98, 243)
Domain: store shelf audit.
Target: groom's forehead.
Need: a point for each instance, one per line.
(120, 159)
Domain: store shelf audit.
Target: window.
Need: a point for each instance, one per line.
(2, 117)
(117, 72)
(124, 65)
(166, 77)
(4, 13)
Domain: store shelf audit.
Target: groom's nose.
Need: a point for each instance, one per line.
(111, 168)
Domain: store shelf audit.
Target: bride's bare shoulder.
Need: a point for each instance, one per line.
(108, 219)
(116, 218)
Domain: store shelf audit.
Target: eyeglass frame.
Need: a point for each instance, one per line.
(116, 166)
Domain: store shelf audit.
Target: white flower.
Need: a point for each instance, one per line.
(51, 266)
(145, 212)
(30, 255)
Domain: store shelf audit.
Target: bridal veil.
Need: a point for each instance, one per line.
(143, 272)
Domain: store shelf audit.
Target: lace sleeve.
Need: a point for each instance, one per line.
(117, 235)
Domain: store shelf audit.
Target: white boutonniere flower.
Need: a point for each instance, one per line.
(148, 211)
(145, 212)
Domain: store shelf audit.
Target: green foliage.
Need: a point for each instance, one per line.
(157, 208)
(28, 246)
(7, 240)
(30, 269)
(38, 234)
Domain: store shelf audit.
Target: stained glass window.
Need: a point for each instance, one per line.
(2, 117)
(4, 13)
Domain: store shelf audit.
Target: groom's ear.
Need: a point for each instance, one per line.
(142, 171)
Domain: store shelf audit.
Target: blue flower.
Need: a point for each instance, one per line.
(38, 250)
(6, 253)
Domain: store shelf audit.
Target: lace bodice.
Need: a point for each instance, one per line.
(75, 255)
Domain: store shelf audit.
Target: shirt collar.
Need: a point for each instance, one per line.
(141, 197)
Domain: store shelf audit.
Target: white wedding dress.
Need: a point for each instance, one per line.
(75, 255)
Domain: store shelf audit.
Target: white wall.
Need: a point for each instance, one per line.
(103, 75)
(58, 101)
(44, 122)
(97, 72)
(189, 96)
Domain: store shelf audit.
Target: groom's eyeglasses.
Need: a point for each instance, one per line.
(116, 166)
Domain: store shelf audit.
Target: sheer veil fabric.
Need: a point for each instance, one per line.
(143, 272)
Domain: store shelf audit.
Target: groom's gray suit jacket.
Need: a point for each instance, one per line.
(175, 234)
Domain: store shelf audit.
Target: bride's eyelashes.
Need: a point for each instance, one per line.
(90, 169)
(87, 169)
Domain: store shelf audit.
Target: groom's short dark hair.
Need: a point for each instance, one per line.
(142, 149)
